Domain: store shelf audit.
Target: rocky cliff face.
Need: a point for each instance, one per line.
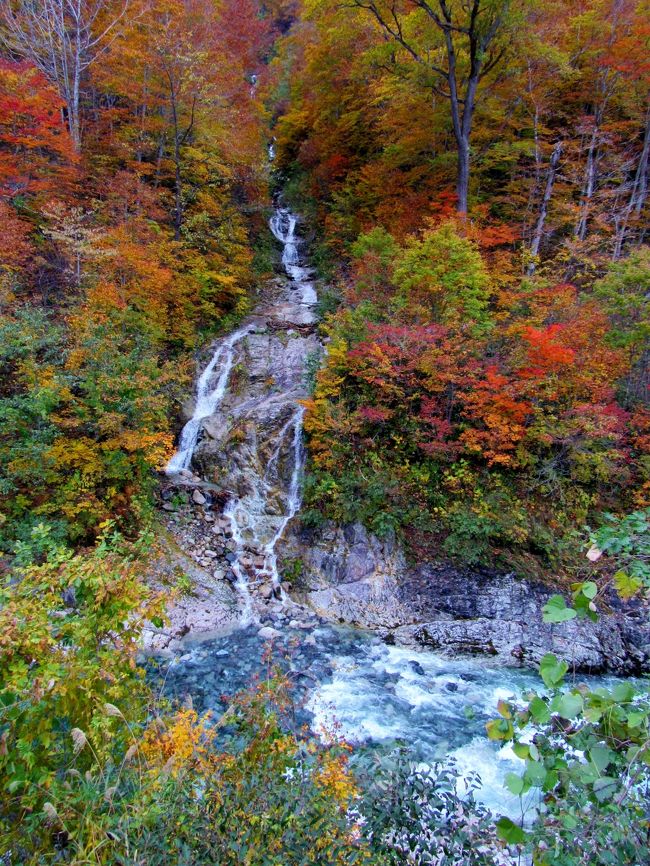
(350, 576)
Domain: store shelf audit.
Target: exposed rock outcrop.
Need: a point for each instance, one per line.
(351, 576)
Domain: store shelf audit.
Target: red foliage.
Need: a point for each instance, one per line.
(36, 153)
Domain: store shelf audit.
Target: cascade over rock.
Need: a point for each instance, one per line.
(243, 443)
(244, 439)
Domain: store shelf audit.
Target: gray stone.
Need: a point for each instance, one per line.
(268, 633)
(198, 498)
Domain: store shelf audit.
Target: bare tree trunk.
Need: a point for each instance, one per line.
(59, 37)
(179, 140)
(638, 193)
(543, 210)
(478, 35)
(589, 184)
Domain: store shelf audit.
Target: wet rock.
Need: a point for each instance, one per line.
(416, 667)
(230, 558)
(266, 591)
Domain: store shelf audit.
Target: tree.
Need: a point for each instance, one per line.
(63, 38)
(474, 43)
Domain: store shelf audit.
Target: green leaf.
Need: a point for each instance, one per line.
(555, 610)
(515, 784)
(604, 788)
(521, 750)
(626, 585)
(539, 711)
(569, 706)
(535, 773)
(623, 692)
(589, 589)
(510, 832)
(601, 756)
(636, 719)
(551, 670)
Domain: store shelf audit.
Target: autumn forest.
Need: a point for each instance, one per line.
(467, 181)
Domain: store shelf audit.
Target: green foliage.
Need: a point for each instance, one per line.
(627, 539)
(586, 750)
(62, 662)
(420, 815)
(171, 792)
(625, 293)
(80, 429)
(445, 274)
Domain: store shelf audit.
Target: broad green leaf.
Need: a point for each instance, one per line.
(626, 585)
(568, 706)
(510, 832)
(604, 788)
(601, 757)
(515, 784)
(551, 670)
(556, 610)
(539, 711)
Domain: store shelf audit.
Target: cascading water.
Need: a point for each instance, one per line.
(207, 399)
(263, 487)
(247, 430)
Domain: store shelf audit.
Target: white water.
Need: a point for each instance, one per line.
(393, 695)
(209, 395)
(283, 225)
(265, 490)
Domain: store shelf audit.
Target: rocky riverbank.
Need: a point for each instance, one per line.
(350, 576)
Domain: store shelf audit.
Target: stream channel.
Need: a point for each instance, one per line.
(346, 680)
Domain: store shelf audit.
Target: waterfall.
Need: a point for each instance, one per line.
(264, 468)
(207, 399)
